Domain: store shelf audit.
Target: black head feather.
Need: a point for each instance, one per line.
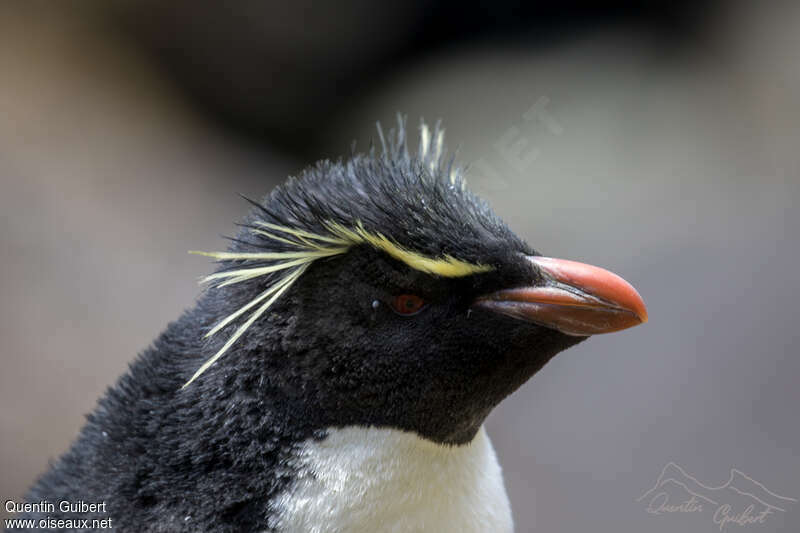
(329, 352)
(420, 202)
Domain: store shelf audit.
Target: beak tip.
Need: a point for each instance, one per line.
(636, 305)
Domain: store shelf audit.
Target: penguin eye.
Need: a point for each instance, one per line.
(408, 304)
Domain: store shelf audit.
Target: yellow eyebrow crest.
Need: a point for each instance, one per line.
(297, 248)
(307, 247)
(445, 266)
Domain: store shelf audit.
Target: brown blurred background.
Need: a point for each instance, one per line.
(659, 141)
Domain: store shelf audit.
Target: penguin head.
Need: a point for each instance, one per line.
(380, 291)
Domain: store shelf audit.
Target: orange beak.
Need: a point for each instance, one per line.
(575, 299)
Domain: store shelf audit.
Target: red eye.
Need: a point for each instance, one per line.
(408, 304)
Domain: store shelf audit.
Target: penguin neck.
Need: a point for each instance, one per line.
(367, 479)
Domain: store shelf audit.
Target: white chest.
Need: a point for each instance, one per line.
(382, 480)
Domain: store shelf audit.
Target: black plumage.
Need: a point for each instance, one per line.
(330, 352)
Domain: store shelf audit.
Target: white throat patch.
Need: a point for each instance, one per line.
(370, 480)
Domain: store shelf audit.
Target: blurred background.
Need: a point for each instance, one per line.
(658, 139)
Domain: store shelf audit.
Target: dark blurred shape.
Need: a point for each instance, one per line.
(275, 71)
(278, 71)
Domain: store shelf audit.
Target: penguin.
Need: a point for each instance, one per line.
(335, 374)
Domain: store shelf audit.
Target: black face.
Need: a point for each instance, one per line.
(374, 342)
(367, 336)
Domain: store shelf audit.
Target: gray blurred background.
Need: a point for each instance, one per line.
(662, 142)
